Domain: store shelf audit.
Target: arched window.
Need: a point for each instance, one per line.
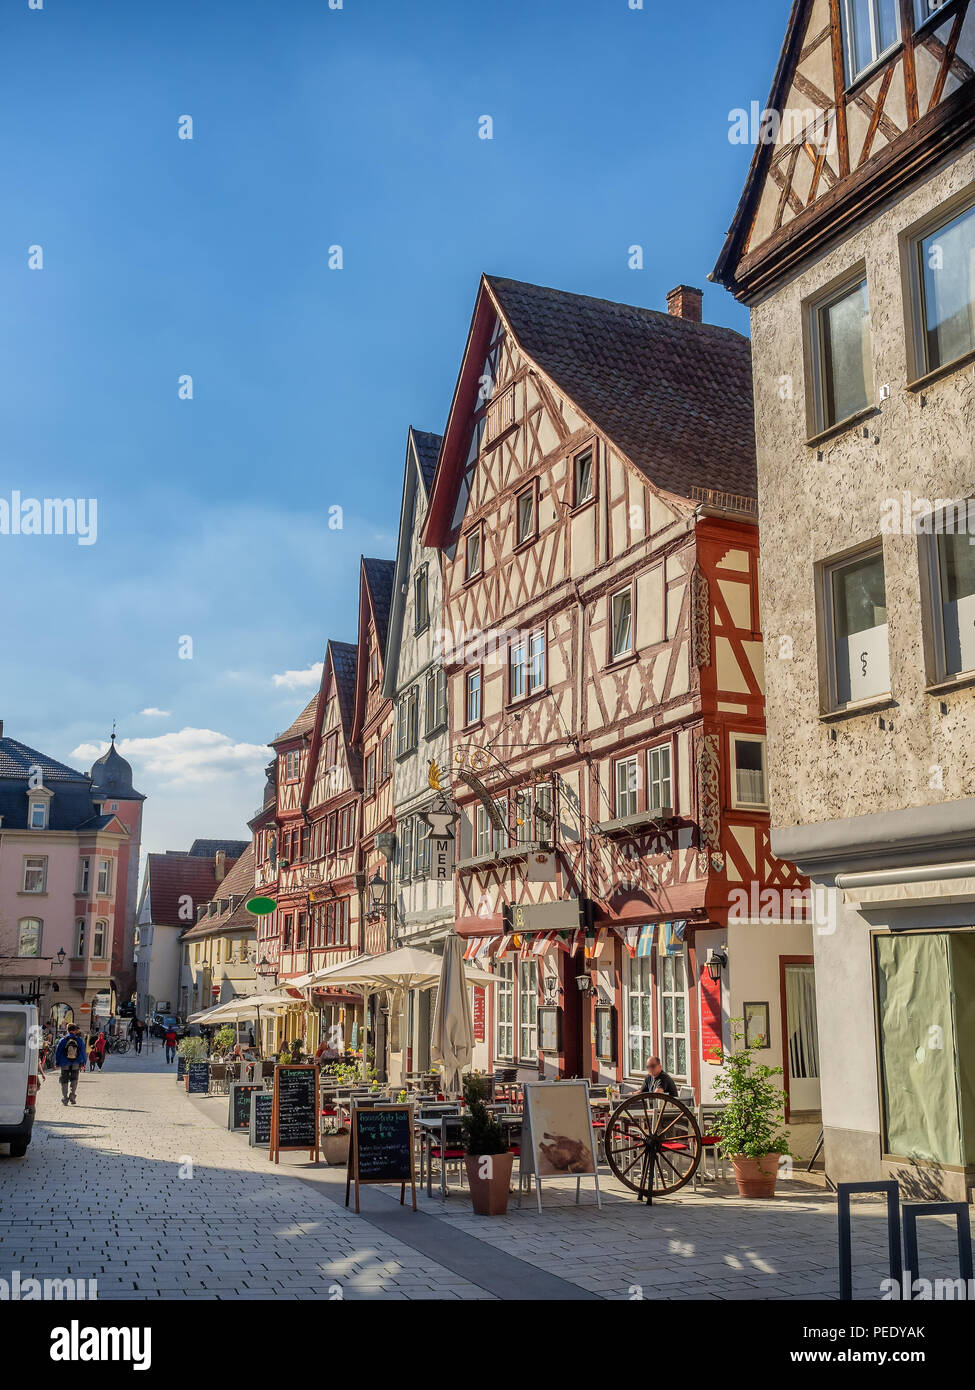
(99, 941)
(79, 937)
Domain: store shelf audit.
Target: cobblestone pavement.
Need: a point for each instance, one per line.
(143, 1188)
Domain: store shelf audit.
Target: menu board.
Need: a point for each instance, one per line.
(381, 1149)
(198, 1074)
(294, 1114)
(240, 1104)
(180, 1068)
(260, 1117)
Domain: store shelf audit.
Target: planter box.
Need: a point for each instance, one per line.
(335, 1148)
(756, 1177)
(490, 1194)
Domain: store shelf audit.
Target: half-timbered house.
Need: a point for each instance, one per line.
(854, 247)
(372, 732)
(595, 505)
(415, 681)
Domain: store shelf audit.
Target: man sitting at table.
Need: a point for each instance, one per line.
(658, 1080)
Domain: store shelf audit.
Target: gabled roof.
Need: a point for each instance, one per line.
(72, 805)
(422, 453)
(674, 396)
(375, 601)
(239, 883)
(16, 760)
(173, 877)
(339, 675)
(301, 725)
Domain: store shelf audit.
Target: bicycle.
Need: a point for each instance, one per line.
(120, 1045)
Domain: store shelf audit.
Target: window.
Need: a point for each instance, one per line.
(544, 812)
(303, 845)
(292, 765)
(472, 554)
(659, 785)
(517, 660)
(408, 721)
(29, 937)
(370, 775)
(35, 874)
(528, 1010)
(346, 826)
(856, 617)
(504, 1009)
(386, 757)
(501, 834)
(406, 852)
(84, 875)
(79, 939)
(302, 928)
(673, 1015)
(748, 787)
(219, 955)
(949, 558)
(526, 524)
(287, 930)
(472, 697)
(435, 699)
(99, 940)
(946, 271)
(842, 368)
(482, 834)
(373, 664)
(330, 827)
(584, 478)
(537, 668)
(421, 600)
(627, 786)
(501, 413)
(38, 815)
(924, 9)
(871, 29)
(621, 618)
(421, 848)
(331, 753)
(639, 1017)
(337, 923)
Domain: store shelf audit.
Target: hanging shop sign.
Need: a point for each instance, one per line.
(569, 915)
(260, 907)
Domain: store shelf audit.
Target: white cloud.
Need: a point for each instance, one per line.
(190, 757)
(310, 679)
(153, 713)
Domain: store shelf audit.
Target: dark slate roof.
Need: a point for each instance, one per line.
(206, 849)
(304, 722)
(344, 656)
(427, 453)
(16, 759)
(674, 395)
(379, 577)
(111, 776)
(98, 822)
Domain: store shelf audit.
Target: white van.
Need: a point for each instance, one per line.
(19, 1038)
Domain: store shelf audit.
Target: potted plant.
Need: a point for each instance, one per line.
(223, 1041)
(750, 1127)
(486, 1155)
(191, 1050)
(335, 1144)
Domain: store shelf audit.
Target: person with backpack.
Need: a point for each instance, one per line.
(70, 1056)
(136, 1030)
(98, 1050)
(169, 1038)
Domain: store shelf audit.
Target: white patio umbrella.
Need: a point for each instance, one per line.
(452, 1039)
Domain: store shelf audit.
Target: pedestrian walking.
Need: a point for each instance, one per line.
(98, 1050)
(70, 1056)
(170, 1040)
(136, 1030)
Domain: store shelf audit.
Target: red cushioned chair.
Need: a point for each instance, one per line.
(445, 1151)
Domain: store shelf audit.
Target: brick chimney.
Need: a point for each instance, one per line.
(685, 302)
(220, 865)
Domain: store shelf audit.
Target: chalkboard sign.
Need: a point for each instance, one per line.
(260, 1120)
(294, 1114)
(381, 1149)
(199, 1078)
(240, 1104)
(180, 1068)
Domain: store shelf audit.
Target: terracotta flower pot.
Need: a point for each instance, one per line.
(756, 1177)
(489, 1194)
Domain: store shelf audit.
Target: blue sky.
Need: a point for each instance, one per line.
(210, 257)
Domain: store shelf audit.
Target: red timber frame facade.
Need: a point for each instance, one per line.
(599, 621)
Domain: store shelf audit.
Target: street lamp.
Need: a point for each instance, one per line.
(715, 963)
(377, 892)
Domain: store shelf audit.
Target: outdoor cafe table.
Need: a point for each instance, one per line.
(429, 1129)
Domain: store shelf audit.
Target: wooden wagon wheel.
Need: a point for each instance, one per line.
(652, 1144)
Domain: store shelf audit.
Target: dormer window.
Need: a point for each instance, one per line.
(38, 815)
(871, 29)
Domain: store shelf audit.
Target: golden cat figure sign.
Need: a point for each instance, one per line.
(557, 1139)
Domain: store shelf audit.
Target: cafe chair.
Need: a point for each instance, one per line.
(218, 1079)
(710, 1143)
(446, 1150)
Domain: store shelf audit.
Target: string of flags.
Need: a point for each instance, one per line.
(668, 937)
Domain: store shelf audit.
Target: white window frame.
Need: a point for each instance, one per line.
(734, 738)
(473, 695)
(932, 590)
(822, 421)
(639, 987)
(924, 14)
(580, 499)
(80, 938)
(34, 864)
(35, 954)
(473, 570)
(483, 831)
(435, 700)
(630, 790)
(84, 874)
(421, 848)
(654, 755)
(518, 668)
(406, 851)
(504, 1011)
(104, 881)
(854, 73)
(670, 1038)
(40, 806)
(544, 826)
(527, 1002)
(618, 653)
(537, 660)
(99, 940)
(421, 599)
(526, 521)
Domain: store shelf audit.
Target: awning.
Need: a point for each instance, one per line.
(926, 883)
